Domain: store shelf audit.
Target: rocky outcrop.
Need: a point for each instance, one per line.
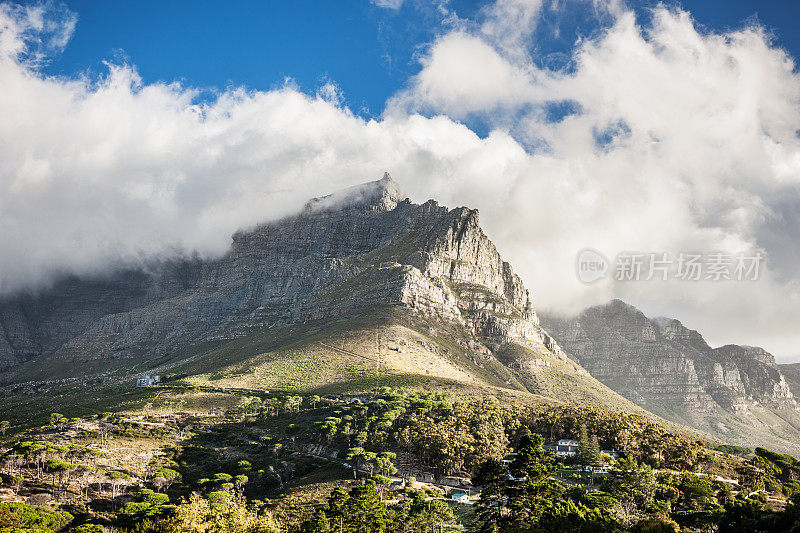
(660, 364)
(365, 246)
(791, 372)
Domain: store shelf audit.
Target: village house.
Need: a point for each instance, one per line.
(148, 381)
(460, 498)
(564, 447)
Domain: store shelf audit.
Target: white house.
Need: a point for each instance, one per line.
(460, 498)
(508, 459)
(148, 381)
(564, 447)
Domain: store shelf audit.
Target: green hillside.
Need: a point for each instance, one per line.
(391, 346)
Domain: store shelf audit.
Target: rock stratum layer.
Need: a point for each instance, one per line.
(660, 361)
(792, 373)
(670, 370)
(361, 247)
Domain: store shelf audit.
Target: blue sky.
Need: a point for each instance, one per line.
(368, 51)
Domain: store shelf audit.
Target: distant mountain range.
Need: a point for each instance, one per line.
(730, 391)
(366, 288)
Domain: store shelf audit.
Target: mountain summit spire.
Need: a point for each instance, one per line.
(381, 195)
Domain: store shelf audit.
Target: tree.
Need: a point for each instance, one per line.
(696, 491)
(150, 505)
(318, 523)
(84, 474)
(381, 482)
(492, 475)
(239, 482)
(530, 488)
(355, 456)
(21, 517)
(16, 482)
(292, 403)
(370, 460)
(383, 462)
(418, 514)
(59, 469)
(328, 428)
(589, 450)
(221, 478)
(117, 479)
(314, 399)
(357, 511)
(515, 498)
(207, 515)
(752, 476)
(747, 515)
(57, 419)
(724, 493)
(13, 462)
(634, 485)
(164, 478)
(105, 430)
(789, 520)
(571, 516)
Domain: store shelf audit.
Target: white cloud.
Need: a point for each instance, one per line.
(510, 24)
(30, 33)
(702, 155)
(463, 74)
(700, 152)
(388, 4)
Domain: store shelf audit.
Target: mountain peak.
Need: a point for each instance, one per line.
(379, 195)
(361, 248)
(617, 310)
(673, 329)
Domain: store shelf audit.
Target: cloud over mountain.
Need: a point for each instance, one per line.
(654, 137)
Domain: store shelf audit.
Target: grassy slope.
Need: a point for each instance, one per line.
(391, 347)
(770, 428)
(330, 357)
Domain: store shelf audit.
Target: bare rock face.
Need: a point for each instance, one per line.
(791, 371)
(360, 247)
(662, 365)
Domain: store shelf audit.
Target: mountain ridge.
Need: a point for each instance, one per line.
(362, 288)
(670, 370)
(345, 254)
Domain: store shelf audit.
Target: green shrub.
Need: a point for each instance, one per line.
(15, 516)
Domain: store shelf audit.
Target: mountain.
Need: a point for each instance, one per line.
(361, 288)
(734, 392)
(792, 373)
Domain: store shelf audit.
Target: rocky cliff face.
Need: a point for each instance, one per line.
(365, 246)
(660, 364)
(792, 373)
